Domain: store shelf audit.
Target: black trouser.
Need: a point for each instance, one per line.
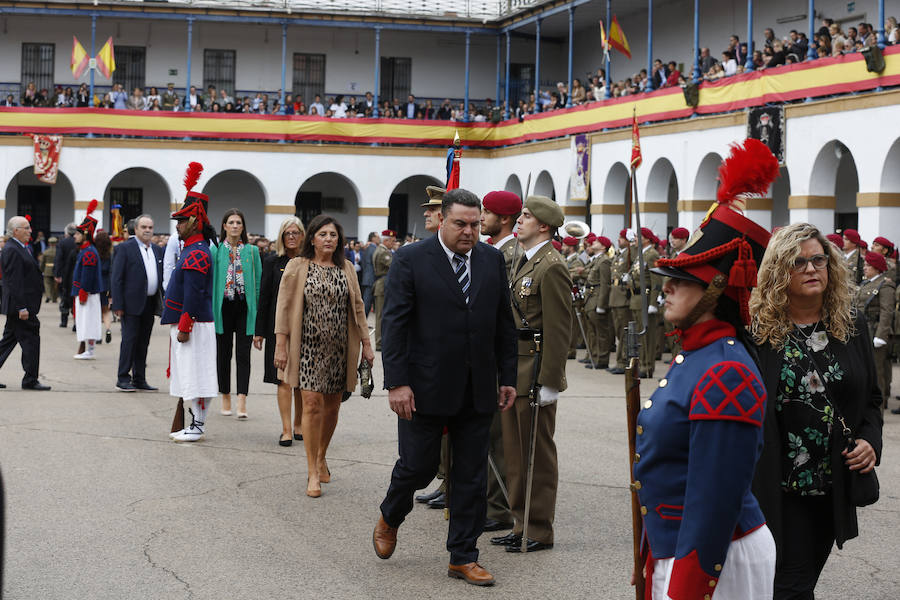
(136, 330)
(234, 326)
(807, 538)
(420, 449)
(27, 334)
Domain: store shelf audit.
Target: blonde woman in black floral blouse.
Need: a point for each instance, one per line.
(814, 351)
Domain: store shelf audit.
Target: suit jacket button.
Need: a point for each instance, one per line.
(637, 457)
(679, 359)
(718, 567)
(663, 382)
(640, 430)
(644, 510)
(648, 404)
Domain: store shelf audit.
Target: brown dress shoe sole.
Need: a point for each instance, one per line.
(460, 575)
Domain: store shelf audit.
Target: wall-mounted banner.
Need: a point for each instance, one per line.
(766, 124)
(46, 156)
(580, 179)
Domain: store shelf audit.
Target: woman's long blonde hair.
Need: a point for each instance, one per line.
(770, 321)
(279, 241)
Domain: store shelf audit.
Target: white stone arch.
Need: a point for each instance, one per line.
(890, 172)
(52, 218)
(706, 182)
(662, 189)
(543, 185)
(155, 195)
(406, 215)
(330, 193)
(514, 185)
(236, 188)
(834, 174)
(781, 191)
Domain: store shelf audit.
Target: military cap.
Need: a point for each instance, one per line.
(836, 239)
(876, 259)
(590, 238)
(389, 233)
(604, 241)
(545, 210)
(570, 241)
(435, 196)
(502, 203)
(853, 236)
(556, 244)
(681, 233)
(884, 243)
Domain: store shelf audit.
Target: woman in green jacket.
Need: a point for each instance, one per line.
(236, 278)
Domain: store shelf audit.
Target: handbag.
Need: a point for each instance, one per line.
(862, 488)
(366, 382)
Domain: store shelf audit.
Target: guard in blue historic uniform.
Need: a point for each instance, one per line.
(188, 310)
(87, 283)
(700, 434)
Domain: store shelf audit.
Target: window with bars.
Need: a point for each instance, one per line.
(37, 66)
(309, 76)
(396, 78)
(218, 70)
(130, 70)
(130, 200)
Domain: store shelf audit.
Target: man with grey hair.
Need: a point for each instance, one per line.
(66, 252)
(23, 286)
(136, 291)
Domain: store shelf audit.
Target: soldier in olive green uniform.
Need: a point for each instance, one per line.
(596, 304)
(620, 296)
(854, 254)
(876, 300)
(499, 214)
(652, 292)
(542, 297)
(381, 260)
(576, 269)
(48, 259)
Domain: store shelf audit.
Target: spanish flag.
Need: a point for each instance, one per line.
(80, 58)
(636, 158)
(453, 156)
(106, 59)
(617, 38)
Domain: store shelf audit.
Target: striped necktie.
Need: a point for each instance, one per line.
(462, 274)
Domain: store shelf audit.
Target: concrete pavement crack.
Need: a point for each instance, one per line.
(155, 565)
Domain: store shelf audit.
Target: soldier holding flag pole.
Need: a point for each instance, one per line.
(699, 531)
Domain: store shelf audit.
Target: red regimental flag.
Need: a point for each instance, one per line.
(46, 156)
(635, 143)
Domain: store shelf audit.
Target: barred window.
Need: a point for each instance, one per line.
(218, 70)
(309, 76)
(37, 66)
(396, 78)
(130, 70)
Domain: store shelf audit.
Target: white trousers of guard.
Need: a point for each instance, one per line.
(192, 363)
(88, 319)
(748, 572)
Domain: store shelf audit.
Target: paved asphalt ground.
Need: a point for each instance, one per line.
(100, 504)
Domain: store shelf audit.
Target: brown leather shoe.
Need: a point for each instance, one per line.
(471, 573)
(384, 539)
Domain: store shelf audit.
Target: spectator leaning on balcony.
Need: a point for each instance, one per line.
(891, 33)
(169, 97)
(193, 101)
(83, 97)
(118, 97)
(707, 62)
(224, 98)
(734, 45)
(673, 76)
(10, 101)
(210, 97)
(137, 101)
(867, 35)
(152, 97)
(729, 64)
(410, 108)
(769, 38)
(578, 92)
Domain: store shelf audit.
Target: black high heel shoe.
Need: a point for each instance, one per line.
(286, 442)
(298, 437)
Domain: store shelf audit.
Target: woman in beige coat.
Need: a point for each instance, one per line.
(320, 324)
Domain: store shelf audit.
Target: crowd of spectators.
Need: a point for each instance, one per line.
(829, 40)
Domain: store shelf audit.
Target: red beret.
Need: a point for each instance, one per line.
(863, 244)
(886, 243)
(623, 233)
(836, 240)
(853, 236)
(590, 238)
(389, 233)
(556, 244)
(604, 241)
(681, 233)
(570, 241)
(502, 203)
(646, 233)
(877, 260)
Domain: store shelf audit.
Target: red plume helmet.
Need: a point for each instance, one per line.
(89, 225)
(195, 203)
(192, 175)
(92, 205)
(28, 218)
(748, 171)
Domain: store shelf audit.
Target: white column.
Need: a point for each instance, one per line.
(367, 223)
(606, 223)
(815, 210)
(879, 215)
(275, 216)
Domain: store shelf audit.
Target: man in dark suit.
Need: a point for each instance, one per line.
(66, 252)
(135, 287)
(367, 280)
(449, 342)
(23, 287)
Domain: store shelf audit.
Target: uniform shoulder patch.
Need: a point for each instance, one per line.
(197, 260)
(89, 258)
(729, 391)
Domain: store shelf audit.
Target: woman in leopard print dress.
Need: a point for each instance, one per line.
(320, 324)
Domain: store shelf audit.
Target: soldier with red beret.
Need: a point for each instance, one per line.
(875, 299)
(854, 254)
(596, 301)
(836, 239)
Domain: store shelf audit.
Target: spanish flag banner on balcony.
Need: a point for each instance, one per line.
(80, 58)
(106, 59)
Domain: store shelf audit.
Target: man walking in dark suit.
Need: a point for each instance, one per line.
(62, 272)
(449, 343)
(135, 287)
(367, 281)
(23, 287)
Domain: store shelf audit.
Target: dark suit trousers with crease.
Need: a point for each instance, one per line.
(136, 331)
(420, 449)
(27, 334)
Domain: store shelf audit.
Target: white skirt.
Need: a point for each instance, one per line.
(88, 319)
(748, 572)
(192, 364)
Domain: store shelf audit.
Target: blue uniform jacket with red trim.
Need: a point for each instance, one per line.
(87, 276)
(698, 439)
(189, 295)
